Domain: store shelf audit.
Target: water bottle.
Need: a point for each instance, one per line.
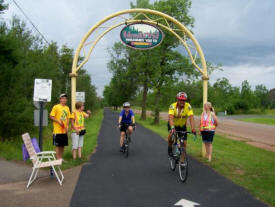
(176, 151)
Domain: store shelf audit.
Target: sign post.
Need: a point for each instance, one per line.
(40, 125)
(42, 94)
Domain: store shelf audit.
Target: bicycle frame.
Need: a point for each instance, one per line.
(179, 135)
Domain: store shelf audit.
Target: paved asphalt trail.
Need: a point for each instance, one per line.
(144, 178)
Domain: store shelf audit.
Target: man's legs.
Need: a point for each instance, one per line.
(59, 152)
(170, 142)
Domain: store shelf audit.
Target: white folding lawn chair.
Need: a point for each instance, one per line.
(41, 160)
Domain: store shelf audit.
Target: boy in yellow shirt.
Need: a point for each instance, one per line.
(60, 115)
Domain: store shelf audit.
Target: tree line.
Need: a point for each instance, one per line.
(24, 57)
(149, 69)
(152, 78)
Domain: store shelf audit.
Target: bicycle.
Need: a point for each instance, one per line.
(178, 150)
(127, 141)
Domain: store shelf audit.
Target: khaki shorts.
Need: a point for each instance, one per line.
(77, 141)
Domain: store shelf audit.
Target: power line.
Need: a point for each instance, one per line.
(30, 22)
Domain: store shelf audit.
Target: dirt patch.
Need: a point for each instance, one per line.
(239, 172)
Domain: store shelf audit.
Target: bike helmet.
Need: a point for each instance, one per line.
(126, 104)
(182, 96)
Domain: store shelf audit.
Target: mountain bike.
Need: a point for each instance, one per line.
(178, 150)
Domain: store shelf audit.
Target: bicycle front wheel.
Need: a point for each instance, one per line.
(183, 167)
(126, 152)
(173, 163)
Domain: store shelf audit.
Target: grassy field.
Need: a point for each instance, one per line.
(269, 121)
(247, 166)
(13, 150)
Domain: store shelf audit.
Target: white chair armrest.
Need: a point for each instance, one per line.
(46, 157)
(45, 152)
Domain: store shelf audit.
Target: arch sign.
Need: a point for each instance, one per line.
(141, 32)
(141, 36)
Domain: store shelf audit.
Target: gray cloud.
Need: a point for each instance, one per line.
(236, 32)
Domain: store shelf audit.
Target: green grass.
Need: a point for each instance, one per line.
(247, 166)
(269, 121)
(257, 112)
(12, 150)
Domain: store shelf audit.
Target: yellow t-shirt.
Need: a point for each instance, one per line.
(78, 117)
(180, 117)
(63, 114)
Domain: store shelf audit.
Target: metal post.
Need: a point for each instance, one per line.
(73, 90)
(40, 125)
(205, 92)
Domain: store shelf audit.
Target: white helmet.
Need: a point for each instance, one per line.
(126, 104)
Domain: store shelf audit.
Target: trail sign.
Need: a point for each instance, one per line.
(80, 96)
(42, 90)
(141, 36)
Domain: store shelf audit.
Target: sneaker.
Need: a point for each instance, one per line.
(183, 164)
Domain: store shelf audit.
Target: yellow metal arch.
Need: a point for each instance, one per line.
(178, 29)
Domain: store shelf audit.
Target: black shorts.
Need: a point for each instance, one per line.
(60, 140)
(124, 127)
(178, 128)
(207, 136)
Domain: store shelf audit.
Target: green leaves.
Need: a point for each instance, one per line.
(22, 59)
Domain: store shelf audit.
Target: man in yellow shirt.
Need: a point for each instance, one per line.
(178, 115)
(60, 115)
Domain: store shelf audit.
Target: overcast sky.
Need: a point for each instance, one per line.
(240, 35)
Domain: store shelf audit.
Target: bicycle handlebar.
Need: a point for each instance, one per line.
(186, 132)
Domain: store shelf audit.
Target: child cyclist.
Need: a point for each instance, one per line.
(126, 121)
(208, 124)
(78, 128)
